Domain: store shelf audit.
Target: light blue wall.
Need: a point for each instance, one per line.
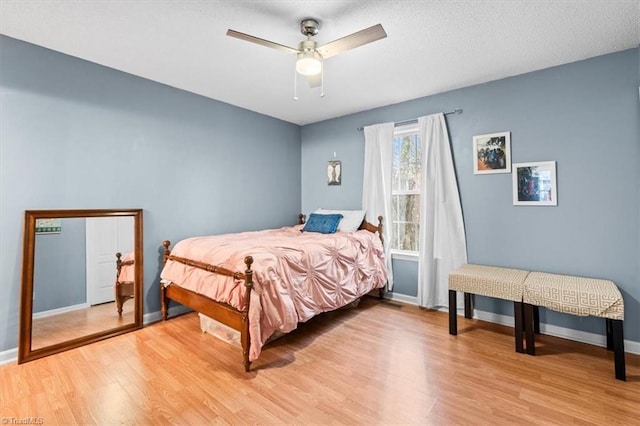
(59, 274)
(584, 115)
(78, 135)
(405, 277)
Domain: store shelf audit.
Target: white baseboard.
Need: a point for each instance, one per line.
(556, 331)
(397, 297)
(152, 317)
(8, 356)
(57, 311)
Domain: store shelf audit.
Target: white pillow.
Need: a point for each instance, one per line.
(351, 219)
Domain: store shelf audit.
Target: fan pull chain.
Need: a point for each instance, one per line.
(295, 84)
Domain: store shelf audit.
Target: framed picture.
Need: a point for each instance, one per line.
(534, 184)
(492, 153)
(334, 172)
(48, 226)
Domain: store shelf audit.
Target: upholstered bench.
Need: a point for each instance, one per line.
(501, 283)
(577, 296)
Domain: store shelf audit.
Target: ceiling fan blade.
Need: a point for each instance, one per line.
(352, 41)
(261, 41)
(315, 80)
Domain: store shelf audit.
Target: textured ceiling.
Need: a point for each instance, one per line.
(432, 46)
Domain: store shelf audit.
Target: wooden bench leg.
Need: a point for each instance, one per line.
(617, 338)
(453, 315)
(529, 327)
(536, 319)
(468, 306)
(517, 317)
(609, 334)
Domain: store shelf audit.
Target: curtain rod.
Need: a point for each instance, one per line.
(400, 123)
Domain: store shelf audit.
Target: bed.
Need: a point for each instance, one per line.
(125, 276)
(265, 282)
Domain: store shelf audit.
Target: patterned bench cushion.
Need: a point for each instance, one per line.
(574, 295)
(501, 283)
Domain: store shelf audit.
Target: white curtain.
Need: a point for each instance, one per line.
(443, 246)
(376, 187)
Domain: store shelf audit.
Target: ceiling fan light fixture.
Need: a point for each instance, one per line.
(309, 56)
(308, 63)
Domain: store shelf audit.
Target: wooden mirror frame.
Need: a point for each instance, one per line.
(25, 352)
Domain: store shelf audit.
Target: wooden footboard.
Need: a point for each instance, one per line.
(123, 290)
(222, 312)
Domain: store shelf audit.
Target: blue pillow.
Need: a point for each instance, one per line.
(323, 223)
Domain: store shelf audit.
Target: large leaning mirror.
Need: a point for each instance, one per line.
(82, 277)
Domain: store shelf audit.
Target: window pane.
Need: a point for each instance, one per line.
(409, 208)
(406, 163)
(406, 216)
(405, 207)
(407, 237)
(394, 208)
(396, 164)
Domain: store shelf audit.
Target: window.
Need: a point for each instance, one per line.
(405, 194)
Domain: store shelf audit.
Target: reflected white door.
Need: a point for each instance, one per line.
(105, 237)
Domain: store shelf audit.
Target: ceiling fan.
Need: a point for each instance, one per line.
(309, 54)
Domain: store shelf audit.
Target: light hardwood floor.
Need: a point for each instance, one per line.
(58, 328)
(379, 363)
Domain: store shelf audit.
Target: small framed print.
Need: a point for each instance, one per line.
(492, 153)
(48, 226)
(534, 184)
(334, 172)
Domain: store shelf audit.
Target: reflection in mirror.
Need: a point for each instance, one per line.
(82, 278)
(75, 271)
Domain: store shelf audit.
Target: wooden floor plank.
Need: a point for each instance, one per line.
(378, 363)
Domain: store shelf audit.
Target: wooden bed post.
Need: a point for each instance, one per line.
(245, 338)
(119, 300)
(164, 302)
(167, 252)
(118, 264)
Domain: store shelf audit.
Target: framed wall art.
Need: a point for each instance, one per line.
(534, 184)
(334, 172)
(492, 153)
(48, 226)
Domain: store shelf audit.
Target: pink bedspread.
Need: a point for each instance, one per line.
(297, 275)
